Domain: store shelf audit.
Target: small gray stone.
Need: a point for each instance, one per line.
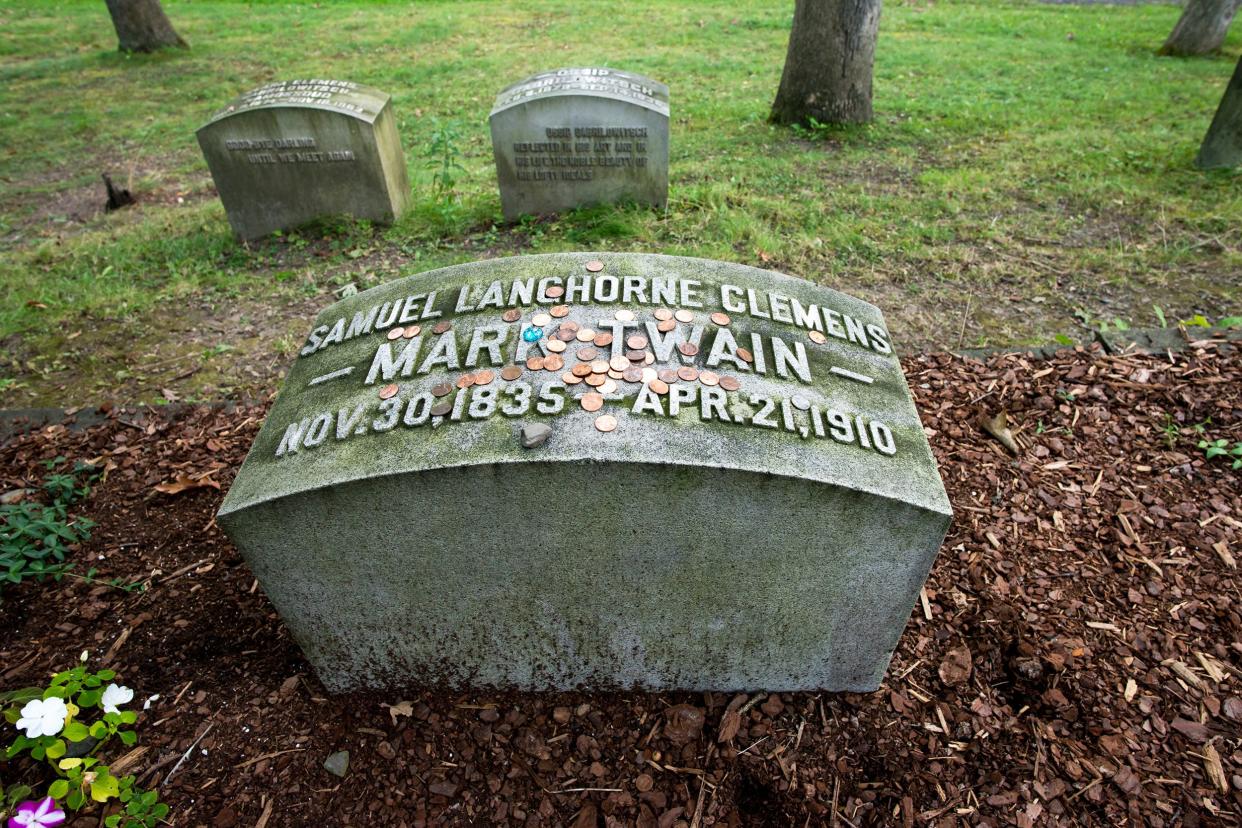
(15, 496)
(535, 434)
(338, 763)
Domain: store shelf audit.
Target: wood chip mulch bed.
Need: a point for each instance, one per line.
(1075, 662)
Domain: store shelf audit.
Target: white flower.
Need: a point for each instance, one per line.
(43, 717)
(114, 695)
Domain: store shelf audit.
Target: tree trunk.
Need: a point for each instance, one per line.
(1222, 146)
(142, 26)
(828, 66)
(1201, 28)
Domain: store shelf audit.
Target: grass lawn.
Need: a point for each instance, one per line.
(1029, 174)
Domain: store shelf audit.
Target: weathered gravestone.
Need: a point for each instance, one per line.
(735, 491)
(291, 152)
(575, 137)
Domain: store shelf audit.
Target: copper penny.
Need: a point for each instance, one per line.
(596, 380)
(556, 346)
(510, 373)
(636, 356)
(465, 381)
(565, 334)
(595, 265)
(658, 386)
(442, 327)
(555, 362)
(624, 315)
(389, 391)
(581, 370)
(618, 363)
(585, 334)
(745, 355)
(615, 374)
(609, 386)
(554, 292)
(570, 379)
(817, 337)
(667, 374)
(605, 423)
(412, 331)
(484, 377)
(592, 401)
(688, 373)
(663, 314)
(683, 315)
(649, 358)
(637, 342)
(729, 383)
(396, 333)
(632, 375)
(666, 326)
(570, 325)
(441, 389)
(688, 348)
(541, 320)
(709, 378)
(535, 363)
(559, 311)
(599, 366)
(441, 408)
(587, 354)
(720, 319)
(602, 339)
(649, 374)
(511, 315)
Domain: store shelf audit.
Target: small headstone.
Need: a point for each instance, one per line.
(575, 137)
(739, 493)
(291, 152)
(337, 763)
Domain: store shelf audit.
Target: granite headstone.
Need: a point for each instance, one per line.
(291, 152)
(612, 470)
(575, 137)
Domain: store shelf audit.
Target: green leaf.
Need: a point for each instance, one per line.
(58, 789)
(113, 821)
(106, 675)
(89, 698)
(128, 717)
(99, 730)
(56, 750)
(70, 764)
(1229, 322)
(128, 737)
(75, 800)
(76, 731)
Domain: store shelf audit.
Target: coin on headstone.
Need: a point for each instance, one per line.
(441, 389)
(688, 348)
(658, 386)
(602, 339)
(729, 383)
(624, 315)
(637, 342)
(592, 401)
(720, 319)
(663, 314)
(442, 327)
(649, 374)
(465, 381)
(817, 337)
(541, 319)
(570, 325)
(596, 380)
(511, 315)
(599, 366)
(666, 326)
(559, 311)
(556, 346)
(389, 391)
(745, 355)
(632, 374)
(595, 266)
(668, 374)
(648, 358)
(484, 377)
(441, 408)
(554, 292)
(636, 356)
(565, 334)
(412, 331)
(582, 369)
(554, 362)
(510, 373)
(535, 363)
(587, 354)
(800, 402)
(396, 333)
(709, 378)
(605, 422)
(615, 374)
(683, 315)
(618, 363)
(569, 379)
(585, 334)
(688, 373)
(608, 387)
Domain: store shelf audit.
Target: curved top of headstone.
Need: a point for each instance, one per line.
(345, 97)
(848, 367)
(617, 84)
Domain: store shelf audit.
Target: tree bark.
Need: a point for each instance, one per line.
(828, 65)
(1222, 146)
(142, 26)
(1201, 28)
